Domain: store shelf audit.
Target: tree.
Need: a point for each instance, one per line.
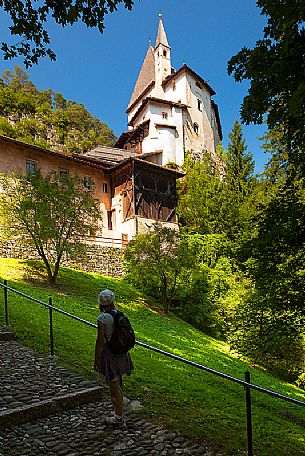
(29, 20)
(208, 204)
(275, 68)
(275, 145)
(212, 286)
(239, 163)
(53, 213)
(270, 326)
(269, 337)
(46, 118)
(156, 260)
(243, 190)
(202, 206)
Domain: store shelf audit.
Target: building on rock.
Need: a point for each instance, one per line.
(170, 112)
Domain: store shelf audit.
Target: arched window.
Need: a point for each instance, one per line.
(196, 128)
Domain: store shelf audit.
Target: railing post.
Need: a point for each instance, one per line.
(249, 415)
(5, 302)
(51, 327)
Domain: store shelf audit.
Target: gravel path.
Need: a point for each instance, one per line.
(40, 414)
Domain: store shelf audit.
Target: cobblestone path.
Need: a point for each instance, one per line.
(47, 410)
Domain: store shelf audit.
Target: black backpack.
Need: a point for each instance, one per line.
(123, 337)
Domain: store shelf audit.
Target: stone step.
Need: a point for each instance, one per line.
(7, 335)
(48, 407)
(28, 378)
(47, 410)
(82, 432)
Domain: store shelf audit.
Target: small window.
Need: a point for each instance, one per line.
(111, 220)
(31, 166)
(105, 187)
(88, 183)
(164, 115)
(196, 128)
(198, 85)
(199, 104)
(174, 86)
(164, 53)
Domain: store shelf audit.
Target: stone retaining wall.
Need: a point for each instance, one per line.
(102, 260)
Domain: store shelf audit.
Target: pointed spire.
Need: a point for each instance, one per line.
(161, 37)
(146, 76)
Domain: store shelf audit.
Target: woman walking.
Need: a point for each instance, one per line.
(111, 366)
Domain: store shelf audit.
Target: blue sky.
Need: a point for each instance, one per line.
(100, 70)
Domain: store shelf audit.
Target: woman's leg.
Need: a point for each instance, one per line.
(116, 394)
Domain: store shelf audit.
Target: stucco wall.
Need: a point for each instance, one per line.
(14, 156)
(162, 137)
(185, 89)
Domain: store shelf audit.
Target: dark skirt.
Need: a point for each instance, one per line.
(113, 366)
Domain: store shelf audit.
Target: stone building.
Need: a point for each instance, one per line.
(170, 111)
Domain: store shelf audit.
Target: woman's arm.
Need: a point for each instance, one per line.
(100, 341)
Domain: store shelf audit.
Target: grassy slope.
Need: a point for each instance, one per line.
(192, 402)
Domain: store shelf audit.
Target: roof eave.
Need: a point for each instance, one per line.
(154, 100)
(188, 69)
(78, 158)
(150, 86)
(179, 174)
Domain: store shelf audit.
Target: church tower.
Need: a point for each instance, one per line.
(170, 112)
(162, 57)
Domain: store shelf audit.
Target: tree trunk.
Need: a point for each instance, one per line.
(56, 269)
(51, 278)
(164, 295)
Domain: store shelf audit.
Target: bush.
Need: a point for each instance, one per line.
(190, 274)
(301, 381)
(269, 338)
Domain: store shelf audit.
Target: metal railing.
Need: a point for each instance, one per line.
(245, 383)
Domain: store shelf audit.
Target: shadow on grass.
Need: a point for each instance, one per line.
(194, 402)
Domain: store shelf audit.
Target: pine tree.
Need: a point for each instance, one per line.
(239, 163)
(243, 191)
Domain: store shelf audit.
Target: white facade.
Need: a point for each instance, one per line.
(182, 116)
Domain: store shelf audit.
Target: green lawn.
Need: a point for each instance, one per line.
(192, 402)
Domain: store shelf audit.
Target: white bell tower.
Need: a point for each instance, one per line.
(162, 55)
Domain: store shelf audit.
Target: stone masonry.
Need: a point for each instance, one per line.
(99, 259)
(47, 410)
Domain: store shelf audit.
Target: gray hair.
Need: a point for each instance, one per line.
(106, 297)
